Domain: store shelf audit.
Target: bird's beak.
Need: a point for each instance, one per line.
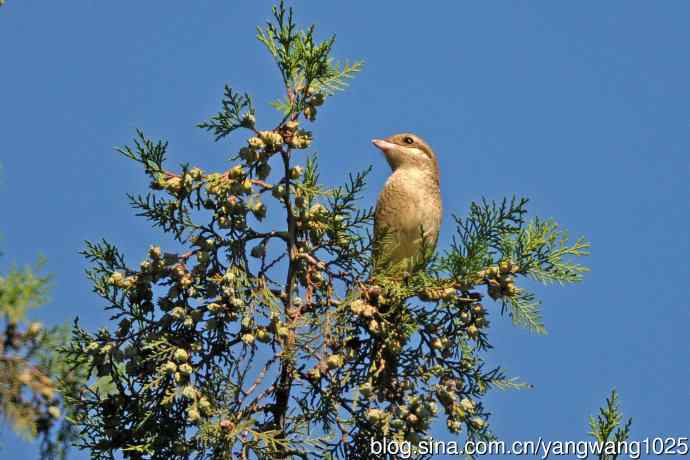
(385, 146)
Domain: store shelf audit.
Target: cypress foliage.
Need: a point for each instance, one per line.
(607, 428)
(247, 340)
(30, 370)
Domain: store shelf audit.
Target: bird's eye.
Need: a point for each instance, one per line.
(409, 140)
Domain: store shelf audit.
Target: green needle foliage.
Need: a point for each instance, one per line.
(250, 340)
(606, 427)
(30, 370)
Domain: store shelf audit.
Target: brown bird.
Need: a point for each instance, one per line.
(409, 205)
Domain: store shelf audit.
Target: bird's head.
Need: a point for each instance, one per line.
(407, 150)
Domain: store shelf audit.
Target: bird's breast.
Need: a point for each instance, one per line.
(408, 202)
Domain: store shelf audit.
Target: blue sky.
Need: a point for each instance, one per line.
(582, 106)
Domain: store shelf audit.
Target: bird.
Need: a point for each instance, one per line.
(409, 208)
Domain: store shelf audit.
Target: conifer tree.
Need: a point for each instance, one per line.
(607, 428)
(30, 369)
(245, 340)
